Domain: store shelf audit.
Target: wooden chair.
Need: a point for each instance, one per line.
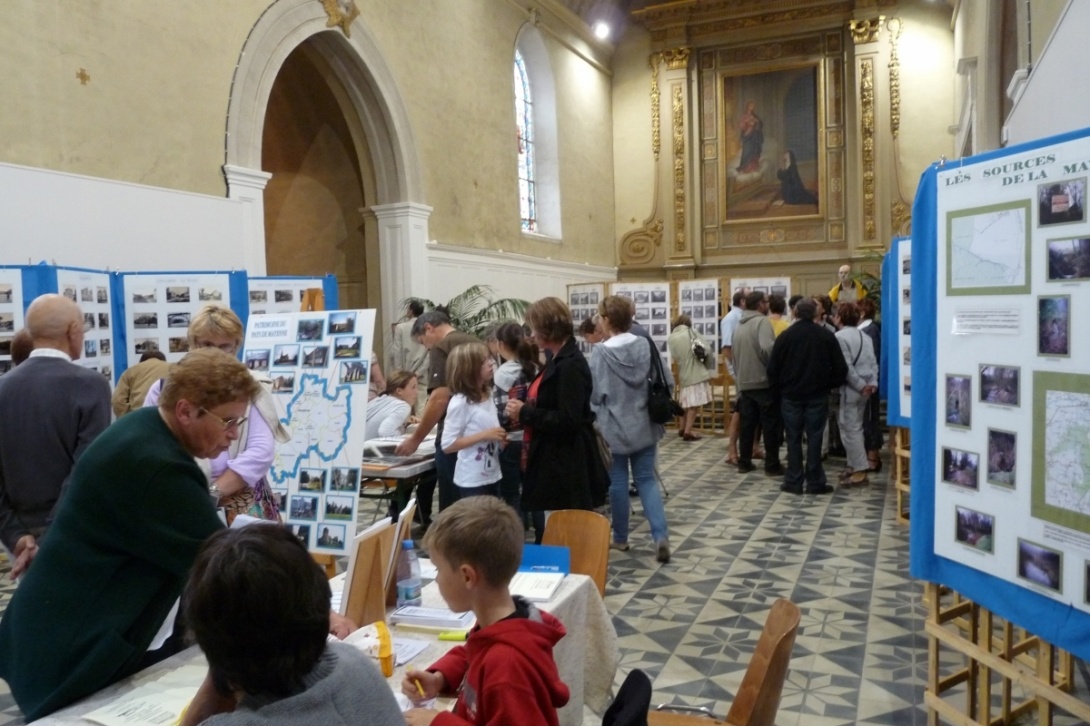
(586, 534)
(758, 698)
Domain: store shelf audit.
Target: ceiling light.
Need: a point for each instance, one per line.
(601, 30)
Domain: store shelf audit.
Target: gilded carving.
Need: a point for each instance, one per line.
(866, 99)
(705, 18)
(836, 231)
(865, 30)
(676, 59)
(653, 61)
(341, 13)
(638, 246)
(895, 26)
(901, 218)
(771, 51)
(835, 138)
(679, 169)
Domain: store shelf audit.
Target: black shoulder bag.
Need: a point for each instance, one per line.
(661, 407)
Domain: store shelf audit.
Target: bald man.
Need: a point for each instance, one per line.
(847, 290)
(50, 410)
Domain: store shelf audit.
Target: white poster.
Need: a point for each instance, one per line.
(319, 363)
(768, 286)
(11, 312)
(699, 299)
(901, 386)
(583, 299)
(159, 306)
(279, 295)
(1013, 370)
(91, 292)
(652, 302)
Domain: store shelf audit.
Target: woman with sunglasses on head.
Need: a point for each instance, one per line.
(238, 476)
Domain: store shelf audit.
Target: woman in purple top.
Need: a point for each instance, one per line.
(237, 476)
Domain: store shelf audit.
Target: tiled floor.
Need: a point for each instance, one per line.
(739, 544)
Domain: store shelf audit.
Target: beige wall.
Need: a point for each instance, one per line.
(154, 110)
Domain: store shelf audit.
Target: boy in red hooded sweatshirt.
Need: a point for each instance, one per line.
(505, 672)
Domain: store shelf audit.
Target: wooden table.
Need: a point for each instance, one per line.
(587, 657)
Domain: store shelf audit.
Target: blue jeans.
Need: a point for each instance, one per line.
(809, 416)
(643, 474)
(444, 475)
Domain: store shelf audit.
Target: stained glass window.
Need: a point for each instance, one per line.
(524, 118)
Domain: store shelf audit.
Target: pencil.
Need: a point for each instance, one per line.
(419, 687)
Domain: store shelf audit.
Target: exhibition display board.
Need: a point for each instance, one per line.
(319, 365)
(699, 299)
(652, 302)
(583, 299)
(1000, 266)
(284, 293)
(896, 376)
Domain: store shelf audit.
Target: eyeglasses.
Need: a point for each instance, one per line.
(232, 423)
(225, 347)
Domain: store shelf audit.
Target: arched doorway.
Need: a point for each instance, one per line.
(343, 184)
(317, 156)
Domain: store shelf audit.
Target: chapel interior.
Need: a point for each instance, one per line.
(380, 141)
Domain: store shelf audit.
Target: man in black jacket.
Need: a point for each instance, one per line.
(806, 362)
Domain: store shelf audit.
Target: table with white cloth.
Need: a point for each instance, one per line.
(587, 659)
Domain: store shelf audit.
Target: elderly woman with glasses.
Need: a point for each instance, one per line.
(237, 476)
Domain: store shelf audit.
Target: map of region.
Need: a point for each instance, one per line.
(1067, 451)
(988, 250)
(318, 416)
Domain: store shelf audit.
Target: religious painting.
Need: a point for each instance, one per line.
(771, 144)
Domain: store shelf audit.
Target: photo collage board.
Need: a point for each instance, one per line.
(11, 312)
(768, 286)
(901, 386)
(281, 295)
(583, 299)
(1012, 399)
(652, 302)
(699, 299)
(319, 364)
(91, 290)
(159, 306)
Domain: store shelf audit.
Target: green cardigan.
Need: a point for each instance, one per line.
(110, 568)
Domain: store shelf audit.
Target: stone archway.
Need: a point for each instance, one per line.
(377, 126)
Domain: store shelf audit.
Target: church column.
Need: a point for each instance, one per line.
(403, 256)
(871, 231)
(676, 178)
(248, 186)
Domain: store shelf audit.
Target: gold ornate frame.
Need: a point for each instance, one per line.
(729, 111)
(724, 239)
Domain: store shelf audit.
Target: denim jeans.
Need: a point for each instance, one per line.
(643, 474)
(809, 416)
(759, 405)
(444, 475)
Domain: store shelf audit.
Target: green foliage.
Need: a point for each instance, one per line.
(474, 311)
(872, 283)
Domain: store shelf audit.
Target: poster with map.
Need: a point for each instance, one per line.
(1012, 480)
(319, 366)
(989, 250)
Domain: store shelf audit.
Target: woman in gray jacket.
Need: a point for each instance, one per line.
(862, 383)
(620, 368)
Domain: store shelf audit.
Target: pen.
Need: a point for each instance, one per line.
(453, 636)
(419, 687)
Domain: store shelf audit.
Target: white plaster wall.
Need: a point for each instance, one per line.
(452, 269)
(1057, 95)
(79, 221)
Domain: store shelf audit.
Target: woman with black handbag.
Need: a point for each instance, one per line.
(622, 371)
(693, 372)
(561, 465)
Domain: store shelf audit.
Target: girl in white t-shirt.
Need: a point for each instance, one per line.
(472, 427)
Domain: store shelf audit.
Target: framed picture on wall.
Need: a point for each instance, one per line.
(771, 148)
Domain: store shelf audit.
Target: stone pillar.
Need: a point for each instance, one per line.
(248, 186)
(403, 256)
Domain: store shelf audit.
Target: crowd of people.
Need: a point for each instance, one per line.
(121, 556)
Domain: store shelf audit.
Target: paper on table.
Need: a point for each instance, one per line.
(405, 650)
(149, 704)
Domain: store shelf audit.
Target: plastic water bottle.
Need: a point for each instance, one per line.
(408, 576)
